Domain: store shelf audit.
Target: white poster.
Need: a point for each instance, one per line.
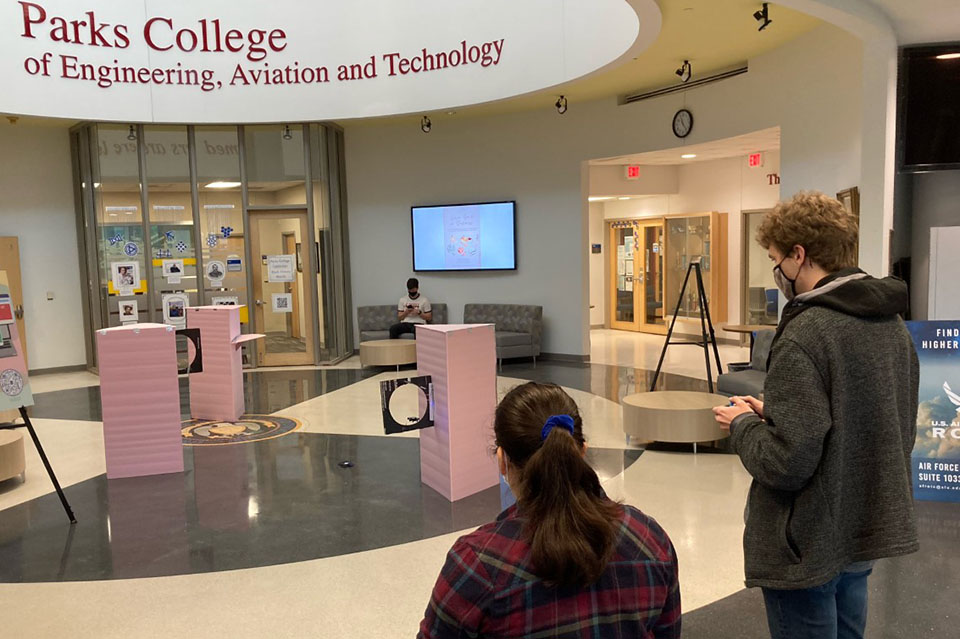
(129, 311)
(234, 263)
(282, 302)
(281, 268)
(216, 271)
(225, 300)
(126, 277)
(172, 270)
(175, 309)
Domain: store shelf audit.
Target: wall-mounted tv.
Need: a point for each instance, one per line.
(929, 108)
(465, 237)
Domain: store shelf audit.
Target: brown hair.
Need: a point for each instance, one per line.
(818, 223)
(569, 522)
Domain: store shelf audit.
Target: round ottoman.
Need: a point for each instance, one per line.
(673, 416)
(12, 462)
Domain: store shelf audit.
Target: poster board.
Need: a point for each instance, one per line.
(14, 382)
(281, 268)
(936, 452)
(415, 422)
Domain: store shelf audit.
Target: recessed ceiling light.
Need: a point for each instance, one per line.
(623, 198)
(599, 198)
(688, 156)
(223, 185)
(948, 56)
(451, 112)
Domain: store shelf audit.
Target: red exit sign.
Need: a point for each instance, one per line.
(633, 172)
(755, 160)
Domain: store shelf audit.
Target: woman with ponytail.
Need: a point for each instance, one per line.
(565, 561)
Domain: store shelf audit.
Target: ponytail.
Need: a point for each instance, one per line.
(569, 522)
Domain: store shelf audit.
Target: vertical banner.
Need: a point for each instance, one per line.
(936, 454)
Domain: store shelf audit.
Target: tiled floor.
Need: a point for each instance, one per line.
(275, 539)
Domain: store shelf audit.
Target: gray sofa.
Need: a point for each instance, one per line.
(518, 327)
(375, 321)
(749, 381)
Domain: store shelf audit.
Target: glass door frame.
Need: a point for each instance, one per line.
(745, 241)
(640, 268)
(645, 325)
(309, 283)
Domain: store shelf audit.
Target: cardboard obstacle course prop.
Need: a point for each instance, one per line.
(15, 391)
(140, 393)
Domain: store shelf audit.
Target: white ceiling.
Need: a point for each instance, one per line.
(765, 140)
(919, 21)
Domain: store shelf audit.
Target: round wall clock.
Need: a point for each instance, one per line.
(682, 123)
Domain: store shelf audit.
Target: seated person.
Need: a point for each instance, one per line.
(565, 560)
(412, 309)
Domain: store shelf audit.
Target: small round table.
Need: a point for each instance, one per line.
(673, 416)
(12, 462)
(749, 329)
(388, 352)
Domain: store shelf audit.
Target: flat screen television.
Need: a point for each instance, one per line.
(929, 105)
(465, 237)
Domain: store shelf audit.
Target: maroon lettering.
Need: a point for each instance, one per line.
(277, 34)
(121, 37)
(30, 9)
(148, 33)
(96, 35)
(233, 34)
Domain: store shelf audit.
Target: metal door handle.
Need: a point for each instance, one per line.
(259, 302)
(18, 313)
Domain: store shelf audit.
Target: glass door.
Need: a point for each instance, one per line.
(651, 277)
(623, 293)
(282, 287)
(761, 298)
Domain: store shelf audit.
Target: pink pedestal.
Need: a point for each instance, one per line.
(455, 457)
(217, 392)
(141, 400)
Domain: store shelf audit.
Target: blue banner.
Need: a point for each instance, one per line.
(936, 453)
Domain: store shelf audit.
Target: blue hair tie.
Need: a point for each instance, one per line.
(563, 421)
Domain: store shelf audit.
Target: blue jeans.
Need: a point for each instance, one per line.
(835, 610)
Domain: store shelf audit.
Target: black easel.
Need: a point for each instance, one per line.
(46, 462)
(706, 338)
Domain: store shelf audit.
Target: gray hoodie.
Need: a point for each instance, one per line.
(831, 459)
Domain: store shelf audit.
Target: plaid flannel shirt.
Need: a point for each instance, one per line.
(488, 588)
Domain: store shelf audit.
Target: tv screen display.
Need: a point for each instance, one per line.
(930, 108)
(464, 237)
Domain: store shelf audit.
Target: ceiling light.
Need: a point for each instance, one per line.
(223, 185)
(948, 56)
(561, 105)
(763, 16)
(598, 198)
(685, 72)
(623, 198)
(451, 112)
(114, 215)
(688, 156)
(286, 132)
(425, 124)
(132, 135)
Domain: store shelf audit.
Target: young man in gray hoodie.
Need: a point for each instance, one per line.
(829, 447)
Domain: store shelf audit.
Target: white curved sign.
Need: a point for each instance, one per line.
(288, 60)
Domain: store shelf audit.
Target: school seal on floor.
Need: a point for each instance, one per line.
(249, 428)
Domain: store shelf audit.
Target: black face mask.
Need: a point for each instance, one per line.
(413, 295)
(787, 286)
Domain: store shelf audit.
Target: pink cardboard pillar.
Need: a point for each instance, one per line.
(217, 392)
(455, 457)
(141, 400)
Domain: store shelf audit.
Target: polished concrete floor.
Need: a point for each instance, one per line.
(275, 538)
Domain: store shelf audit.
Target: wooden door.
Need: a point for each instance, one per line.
(286, 343)
(10, 262)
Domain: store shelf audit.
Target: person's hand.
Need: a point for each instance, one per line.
(753, 403)
(726, 414)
